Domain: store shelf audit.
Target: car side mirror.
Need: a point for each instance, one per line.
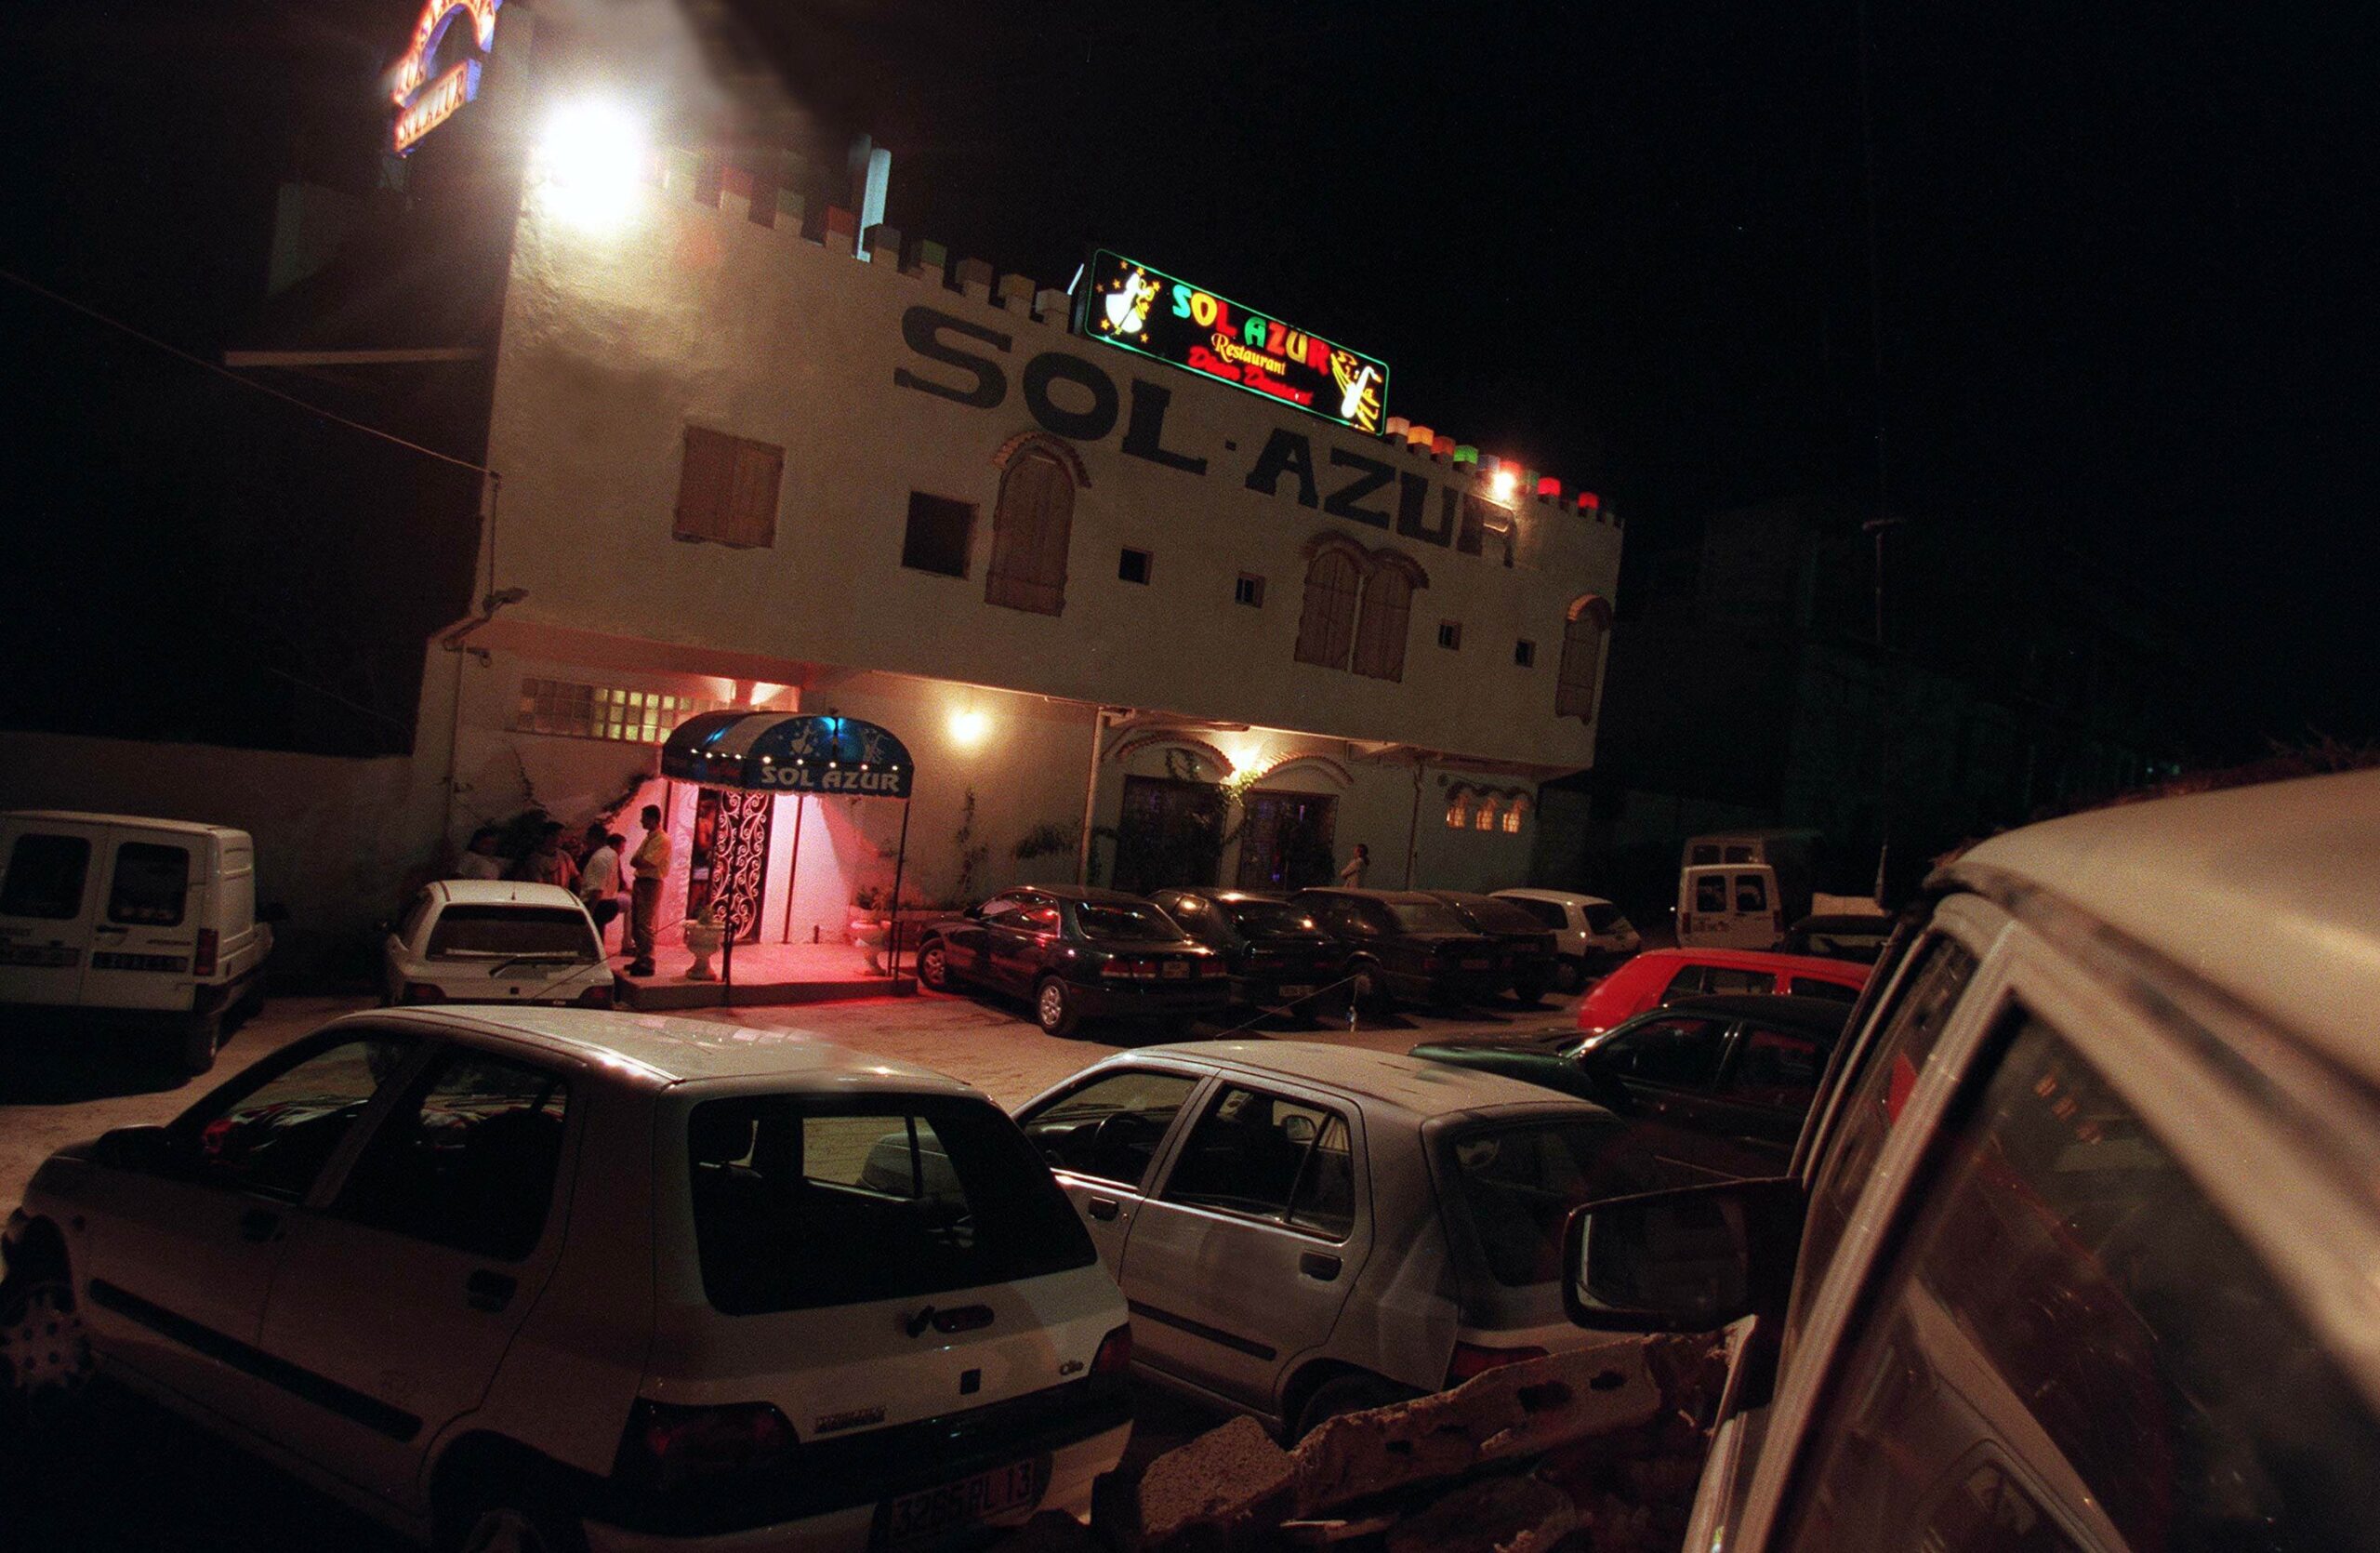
(1691, 1259)
(146, 1151)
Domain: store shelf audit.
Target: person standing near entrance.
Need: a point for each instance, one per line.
(599, 882)
(652, 865)
(1353, 874)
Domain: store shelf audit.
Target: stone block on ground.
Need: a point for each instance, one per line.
(1227, 1489)
(1501, 1514)
(1514, 1411)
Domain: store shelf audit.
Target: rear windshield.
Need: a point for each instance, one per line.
(1603, 919)
(1426, 915)
(1125, 922)
(806, 1201)
(466, 931)
(1517, 1182)
(1255, 917)
(1491, 915)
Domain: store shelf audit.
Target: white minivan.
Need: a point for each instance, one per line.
(144, 921)
(2077, 1252)
(1728, 905)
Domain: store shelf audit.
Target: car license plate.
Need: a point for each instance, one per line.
(1176, 968)
(1475, 964)
(922, 1516)
(1297, 991)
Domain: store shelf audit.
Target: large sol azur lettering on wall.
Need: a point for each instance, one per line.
(1342, 482)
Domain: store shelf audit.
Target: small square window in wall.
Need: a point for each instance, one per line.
(940, 535)
(1134, 567)
(1249, 590)
(1524, 652)
(1451, 634)
(727, 489)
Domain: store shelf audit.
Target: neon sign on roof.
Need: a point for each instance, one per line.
(422, 103)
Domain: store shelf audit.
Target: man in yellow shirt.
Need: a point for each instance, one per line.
(652, 865)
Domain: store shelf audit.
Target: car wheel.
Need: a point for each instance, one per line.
(199, 1041)
(1571, 974)
(1053, 1005)
(45, 1354)
(1368, 990)
(532, 1524)
(1530, 991)
(1344, 1394)
(933, 966)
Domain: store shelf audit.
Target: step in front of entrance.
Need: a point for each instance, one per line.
(658, 995)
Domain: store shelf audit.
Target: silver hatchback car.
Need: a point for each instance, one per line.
(1303, 1230)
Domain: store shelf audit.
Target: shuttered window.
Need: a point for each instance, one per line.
(1380, 634)
(1584, 639)
(727, 489)
(1030, 528)
(1326, 629)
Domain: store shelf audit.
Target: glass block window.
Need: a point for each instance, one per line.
(601, 711)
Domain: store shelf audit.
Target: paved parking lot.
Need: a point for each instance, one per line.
(140, 1480)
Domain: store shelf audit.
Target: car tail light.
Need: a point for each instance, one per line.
(1139, 969)
(202, 963)
(667, 1447)
(1114, 1352)
(422, 992)
(1207, 966)
(597, 996)
(1471, 1359)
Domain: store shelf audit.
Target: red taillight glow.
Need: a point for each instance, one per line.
(1114, 1352)
(202, 963)
(667, 1446)
(422, 992)
(1470, 1360)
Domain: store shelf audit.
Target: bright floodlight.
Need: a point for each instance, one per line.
(593, 159)
(968, 727)
(1503, 484)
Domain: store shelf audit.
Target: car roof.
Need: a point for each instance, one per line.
(1827, 1014)
(136, 822)
(1560, 897)
(1081, 893)
(659, 1050)
(2264, 893)
(1750, 960)
(1393, 897)
(1391, 1081)
(503, 892)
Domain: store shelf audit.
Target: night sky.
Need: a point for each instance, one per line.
(2122, 255)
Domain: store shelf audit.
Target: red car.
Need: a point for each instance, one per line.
(1661, 976)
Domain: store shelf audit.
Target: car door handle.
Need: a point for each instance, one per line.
(1320, 1265)
(1104, 1209)
(490, 1290)
(260, 1225)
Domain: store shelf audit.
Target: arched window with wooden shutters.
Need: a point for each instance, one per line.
(1586, 641)
(1334, 581)
(1032, 524)
(1388, 608)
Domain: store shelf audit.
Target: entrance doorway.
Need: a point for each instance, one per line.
(1170, 833)
(732, 824)
(1286, 841)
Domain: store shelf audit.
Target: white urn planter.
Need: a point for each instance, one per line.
(869, 933)
(703, 940)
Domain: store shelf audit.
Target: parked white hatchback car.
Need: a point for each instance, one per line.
(1303, 1230)
(2081, 1251)
(496, 941)
(520, 1277)
(1589, 932)
(130, 919)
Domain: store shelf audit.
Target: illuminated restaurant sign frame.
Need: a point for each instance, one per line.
(424, 104)
(1138, 307)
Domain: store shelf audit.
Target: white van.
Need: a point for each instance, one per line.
(1729, 906)
(153, 920)
(2076, 1253)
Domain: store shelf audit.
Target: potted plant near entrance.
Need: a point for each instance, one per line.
(705, 937)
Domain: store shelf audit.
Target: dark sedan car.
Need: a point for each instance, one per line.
(1403, 945)
(1078, 954)
(1279, 957)
(1527, 957)
(1717, 1085)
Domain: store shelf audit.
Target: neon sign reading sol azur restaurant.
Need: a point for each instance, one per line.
(422, 103)
(1136, 307)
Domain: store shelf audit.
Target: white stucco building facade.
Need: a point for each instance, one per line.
(743, 466)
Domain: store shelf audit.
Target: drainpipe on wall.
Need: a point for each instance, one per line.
(1413, 827)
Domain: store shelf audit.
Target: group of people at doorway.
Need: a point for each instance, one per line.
(590, 869)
